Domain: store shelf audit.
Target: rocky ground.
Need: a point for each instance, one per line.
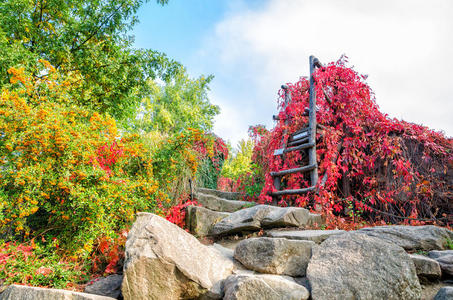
(265, 252)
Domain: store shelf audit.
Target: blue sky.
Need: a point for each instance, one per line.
(253, 46)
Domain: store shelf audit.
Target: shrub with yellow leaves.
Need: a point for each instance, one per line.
(54, 157)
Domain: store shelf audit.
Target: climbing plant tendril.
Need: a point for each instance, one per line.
(371, 165)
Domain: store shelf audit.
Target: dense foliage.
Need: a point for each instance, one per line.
(369, 164)
(87, 38)
(65, 169)
(179, 104)
(243, 172)
(91, 131)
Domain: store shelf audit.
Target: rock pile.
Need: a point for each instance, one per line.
(165, 262)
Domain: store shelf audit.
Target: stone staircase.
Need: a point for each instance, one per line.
(223, 214)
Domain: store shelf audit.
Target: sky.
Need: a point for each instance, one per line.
(252, 47)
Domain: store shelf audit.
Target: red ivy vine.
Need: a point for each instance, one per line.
(381, 168)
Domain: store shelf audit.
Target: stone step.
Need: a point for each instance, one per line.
(220, 194)
(220, 204)
(200, 219)
(264, 216)
(317, 236)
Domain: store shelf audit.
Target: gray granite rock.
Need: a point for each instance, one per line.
(213, 202)
(438, 253)
(200, 220)
(220, 194)
(263, 287)
(263, 216)
(425, 238)
(358, 266)
(274, 255)
(317, 236)
(165, 262)
(445, 293)
(445, 259)
(22, 292)
(426, 267)
(446, 264)
(109, 286)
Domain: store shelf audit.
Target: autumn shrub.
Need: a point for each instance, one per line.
(212, 156)
(38, 264)
(381, 168)
(243, 172)
(65, 170)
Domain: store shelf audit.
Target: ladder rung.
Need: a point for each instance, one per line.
(297, 142)
(299, 136)
(292, 192)
(301, 147)
(301, 130)
(295, 170)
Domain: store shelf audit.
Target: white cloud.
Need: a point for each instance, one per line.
(404, 46)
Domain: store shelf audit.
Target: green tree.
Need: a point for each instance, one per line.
(241, 162)
(179, 104)
(88, 37)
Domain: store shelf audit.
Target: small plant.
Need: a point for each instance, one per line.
(449, 244)
(38, 264)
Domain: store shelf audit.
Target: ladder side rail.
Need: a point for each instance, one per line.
(278, 179)
(312, 122)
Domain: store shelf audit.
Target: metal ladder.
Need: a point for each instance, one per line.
(303, 139)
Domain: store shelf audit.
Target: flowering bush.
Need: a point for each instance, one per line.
(64, 169)
(382, 168)
(243, 172)
(38, 265)
(177, 214)
(212, 154)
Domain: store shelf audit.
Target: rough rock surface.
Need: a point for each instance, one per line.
(220, 194)
(317, 236)
(445, 293)
(290, 216)
(426, 267)
(109, 286)
(254, 218)
(358, 266)
(165, 262)
(219, 204)
(263, 287)
(274, 255)
(425, 238)
(200, 220)
(446, 264)
(21, 292)
(436, 253)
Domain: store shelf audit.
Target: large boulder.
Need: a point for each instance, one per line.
(274, 255)
(444, 293)
(426, 268)
(317, 236)
(165, 262)
(22, 292)
(263, 287)
(358, 266)
(424, 238)
(200, 220)
(257, 217)
(219, 204)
